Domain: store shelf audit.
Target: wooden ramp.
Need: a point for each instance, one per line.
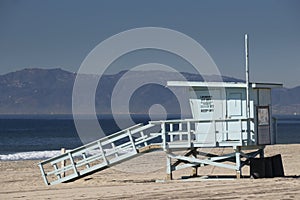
(98, 155)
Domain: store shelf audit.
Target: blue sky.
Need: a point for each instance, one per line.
(50, 34)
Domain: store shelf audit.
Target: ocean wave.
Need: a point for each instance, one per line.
(32, 155)
(41, 155)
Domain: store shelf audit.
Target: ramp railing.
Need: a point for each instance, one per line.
(97, 155)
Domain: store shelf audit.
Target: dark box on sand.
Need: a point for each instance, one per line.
(267, 167)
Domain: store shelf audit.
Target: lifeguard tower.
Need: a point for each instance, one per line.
(236, 115)
(225, 114)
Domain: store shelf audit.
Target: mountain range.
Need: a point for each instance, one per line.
(49, 91)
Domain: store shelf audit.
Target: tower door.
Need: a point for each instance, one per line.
(235, 109)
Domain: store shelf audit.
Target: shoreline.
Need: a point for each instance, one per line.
(135, 179)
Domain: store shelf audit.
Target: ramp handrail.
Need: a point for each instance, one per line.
(96, 155)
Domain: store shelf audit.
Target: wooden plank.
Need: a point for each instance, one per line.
(149, 148)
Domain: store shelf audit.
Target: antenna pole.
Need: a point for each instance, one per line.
(247, 74)
(247, 84)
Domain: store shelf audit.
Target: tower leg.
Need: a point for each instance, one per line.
(262, 153)
(169, 168)
(238, 163)
(195, 169)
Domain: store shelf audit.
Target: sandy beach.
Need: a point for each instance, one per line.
(138, 180)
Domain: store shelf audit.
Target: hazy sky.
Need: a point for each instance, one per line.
(52, 33)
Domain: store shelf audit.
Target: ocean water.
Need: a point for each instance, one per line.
(41, 137)
(288, 129)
